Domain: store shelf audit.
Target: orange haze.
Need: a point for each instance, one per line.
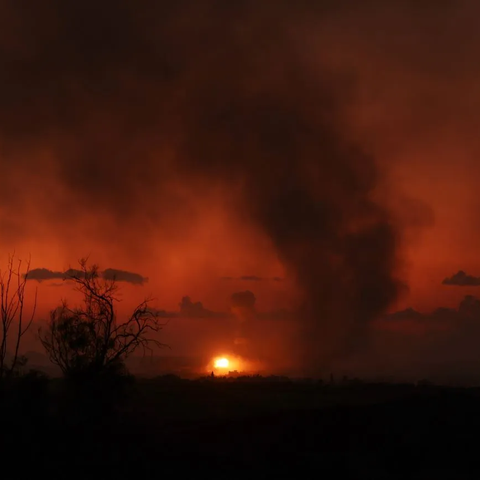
(128, 133)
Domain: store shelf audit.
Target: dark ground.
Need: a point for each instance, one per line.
(262, 428)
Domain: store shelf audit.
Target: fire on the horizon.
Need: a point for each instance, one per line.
(221, 362)
(226, 364)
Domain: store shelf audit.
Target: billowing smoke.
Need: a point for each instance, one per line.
(123, 116)
(271, 124)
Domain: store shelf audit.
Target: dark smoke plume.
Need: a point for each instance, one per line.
(266, 121)
(110, 89)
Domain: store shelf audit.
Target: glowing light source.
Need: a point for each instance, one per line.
(221, 362)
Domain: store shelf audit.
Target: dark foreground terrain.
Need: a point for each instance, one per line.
(217, 428)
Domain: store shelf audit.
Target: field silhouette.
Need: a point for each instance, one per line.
(249, 425)
(99, 420)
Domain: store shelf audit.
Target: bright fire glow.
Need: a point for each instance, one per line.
(221, 362)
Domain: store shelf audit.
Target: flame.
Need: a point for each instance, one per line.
(221, 362)
(229, 363)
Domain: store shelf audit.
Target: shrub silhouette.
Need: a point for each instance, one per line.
(89, 341)
(13, 321)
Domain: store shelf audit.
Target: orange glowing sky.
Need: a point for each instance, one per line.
(410, 100)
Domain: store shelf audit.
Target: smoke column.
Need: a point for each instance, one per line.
(124, 115)
(272, 125)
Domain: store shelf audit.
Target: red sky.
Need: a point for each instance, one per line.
(103, 151)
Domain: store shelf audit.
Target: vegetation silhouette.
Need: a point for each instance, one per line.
(89, 341)
(13, 324)
(233, 425)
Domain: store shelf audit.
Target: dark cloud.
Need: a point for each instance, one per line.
(407, 314)
(191, 309)
(73, 273)
(41, 274)
(276, 315)
(461, 279)
(166, 314)
(251, 278)
(124, 276)
(468, 309)
(241, 302)
(127, 99)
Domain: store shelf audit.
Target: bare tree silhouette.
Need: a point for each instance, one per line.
(89, 340)
(12, 308)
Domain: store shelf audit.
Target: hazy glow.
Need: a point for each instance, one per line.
(221, 362)
(246, 135)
